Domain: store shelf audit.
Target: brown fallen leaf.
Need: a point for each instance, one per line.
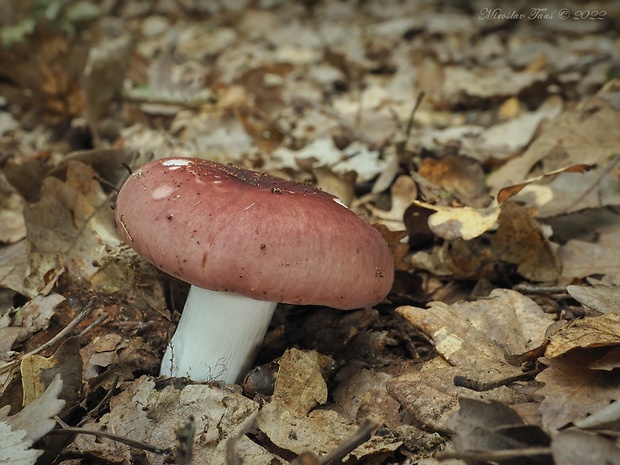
(150, 413)
(572, 390)
(289, 422)
(14, 266)
(607, 418)
(598, 256)
(590, 332)
(35, 315)
(70, 226)
(430, 396)
(300, 385)
(577, 447)
(601, 298)
(493, 426)
(569, 137)
(37, 371)
(520, 240)
(459, 176)
(12, 227)
(473, 339)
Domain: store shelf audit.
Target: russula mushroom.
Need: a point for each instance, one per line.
(245, 241)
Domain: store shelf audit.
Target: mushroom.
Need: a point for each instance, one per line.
(245, 241)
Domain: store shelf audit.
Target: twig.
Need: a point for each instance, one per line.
(174, 98)
(64, 429)
(97, 322)
(409, 128)
(90, 306)
(185, 437)
(527, 288)
(362, 435)
(495, 455)
(597, 181)
(101, 403)
(479, 386)
(232, 446)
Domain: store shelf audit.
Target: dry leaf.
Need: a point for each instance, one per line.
(600, 331)
(14, 266)
(20, 431)
(70, 226)
(570, 137)
(581, 258)
(12, 227)
(475, 348)
(466, 223)
(574, 191)
(607, 418)
(35, 315)
(601, 298)
(578, 447)
(299, 382)
(38, 371)
(572, 390)
(520, 240)
(459, 176)
(493, 426)
(151, 414)
(430, 397)
(288, 421)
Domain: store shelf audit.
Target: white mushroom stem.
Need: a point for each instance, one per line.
(217, 337)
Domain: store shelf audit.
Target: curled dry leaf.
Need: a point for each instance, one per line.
(607, 418)
(467, 223)
(591, 332)
(34, 316)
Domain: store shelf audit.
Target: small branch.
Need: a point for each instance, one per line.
(130, 442)
(100, 405)
(232, 446)
(174, 98)
(94, 324)
(185, 437)
(334, 457)
(608, 169)
(90, 306)
(479, 386)
(409, 127)
(362, 435)
(494, 456)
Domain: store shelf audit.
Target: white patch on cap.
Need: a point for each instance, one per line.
(176, 163)
(162, 192)
(339, 202)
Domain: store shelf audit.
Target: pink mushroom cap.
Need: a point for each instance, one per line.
(225, 228)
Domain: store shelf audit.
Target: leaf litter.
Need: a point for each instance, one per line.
(484, 149)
